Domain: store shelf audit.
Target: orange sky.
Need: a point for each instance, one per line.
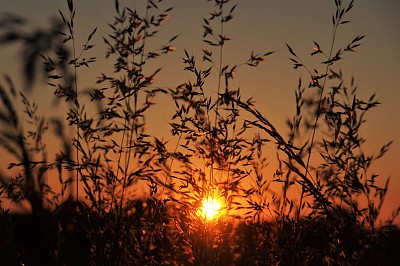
(259, 25)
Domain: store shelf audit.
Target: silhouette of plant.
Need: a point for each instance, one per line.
(305, 210)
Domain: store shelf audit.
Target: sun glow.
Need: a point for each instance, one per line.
(210, 208)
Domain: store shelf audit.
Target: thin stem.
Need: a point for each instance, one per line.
(134, 129)
(318, 114)
(77, 111)
(221, 50)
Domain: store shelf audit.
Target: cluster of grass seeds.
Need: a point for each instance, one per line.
(222, 149)
(215, 152)
(332, 116)
(110, 153)
(339, 114)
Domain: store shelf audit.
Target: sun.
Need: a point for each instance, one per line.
(210, 208)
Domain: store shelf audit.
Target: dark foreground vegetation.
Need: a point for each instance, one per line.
(73, 235)
(306, 197)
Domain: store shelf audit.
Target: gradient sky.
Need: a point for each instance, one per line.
(259, 25)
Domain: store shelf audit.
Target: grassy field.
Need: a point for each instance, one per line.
(225, 187)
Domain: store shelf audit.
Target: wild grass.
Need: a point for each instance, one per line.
(306, 211)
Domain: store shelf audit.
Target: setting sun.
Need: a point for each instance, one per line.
(210, 208)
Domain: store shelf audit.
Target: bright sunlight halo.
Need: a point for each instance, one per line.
(210, 208)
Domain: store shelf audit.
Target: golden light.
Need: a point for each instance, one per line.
(210, 208)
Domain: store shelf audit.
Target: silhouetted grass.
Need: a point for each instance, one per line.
(295, 213)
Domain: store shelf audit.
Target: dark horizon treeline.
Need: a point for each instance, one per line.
(61, 238)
